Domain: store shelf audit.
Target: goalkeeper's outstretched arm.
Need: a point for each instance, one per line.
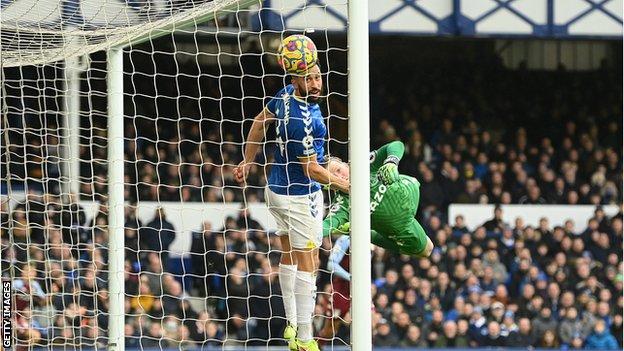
(393, 150)
(385, 162)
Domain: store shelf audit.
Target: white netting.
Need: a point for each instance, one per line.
(39, 31)
(200, 252)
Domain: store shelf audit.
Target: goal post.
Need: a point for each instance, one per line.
(359, 149)
(116, 201)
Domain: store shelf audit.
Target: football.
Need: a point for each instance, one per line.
(297, 53)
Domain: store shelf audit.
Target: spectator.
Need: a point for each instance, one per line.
(199, 329)
(478, 327)
(172, 299)
(488, 283)
(246, 222)
(157, 236)
(237, 328)
(382, 306)
(237, 288)
(28, 331)
(458, 308)
(493, 337)
(577, 343)
(498, 268)
(211, 335)
(132, 338)
(549, 340)
(414, 310)
(402, 324)
(450, 338)
(495, 224)
(601, 338)
(264, 304)
(413, 338)
(543, 322)
(509, 325)
(202, 244)
(27, 289)
(152, 336)
(524, 337)
(462, 330)
(390, 285)
(385, 335)
(571, 327)
(434, 328)
(471, 193)
(444, 291)
(460, 226)
(534, 197)
(431, 193)
(616, 328)
(451, 182)
(132, 220)
(144, 301)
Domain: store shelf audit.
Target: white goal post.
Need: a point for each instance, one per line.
(359, 148)
(73, 40)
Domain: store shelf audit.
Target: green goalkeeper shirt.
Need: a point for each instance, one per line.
(392, 207)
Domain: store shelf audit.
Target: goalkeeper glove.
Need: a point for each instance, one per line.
(343, 229)
(389, 172)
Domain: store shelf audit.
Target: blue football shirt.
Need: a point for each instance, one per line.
(300, 132)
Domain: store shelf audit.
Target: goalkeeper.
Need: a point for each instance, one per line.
(394, 201)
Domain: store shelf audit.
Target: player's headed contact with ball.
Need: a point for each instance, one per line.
(297, 54)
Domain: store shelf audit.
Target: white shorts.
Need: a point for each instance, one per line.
(299, 216)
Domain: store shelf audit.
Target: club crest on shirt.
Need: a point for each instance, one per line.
(307, 141)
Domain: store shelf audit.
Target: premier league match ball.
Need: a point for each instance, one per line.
(297, 54)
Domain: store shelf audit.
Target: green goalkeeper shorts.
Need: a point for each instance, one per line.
(412, 240)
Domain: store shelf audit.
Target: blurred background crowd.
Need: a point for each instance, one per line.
(476, 132)
(502, 284)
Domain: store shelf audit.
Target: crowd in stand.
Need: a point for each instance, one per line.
(475, 132)
(458, 151)
(501, 284)
(506, 284)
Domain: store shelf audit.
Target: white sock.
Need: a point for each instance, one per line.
(287, 275)
(305, 296)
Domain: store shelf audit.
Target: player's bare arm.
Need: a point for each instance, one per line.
(254, 139)
(315, 171)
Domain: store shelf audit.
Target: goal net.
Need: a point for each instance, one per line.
(199, 250)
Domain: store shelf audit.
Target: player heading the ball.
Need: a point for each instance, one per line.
(294, 195)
